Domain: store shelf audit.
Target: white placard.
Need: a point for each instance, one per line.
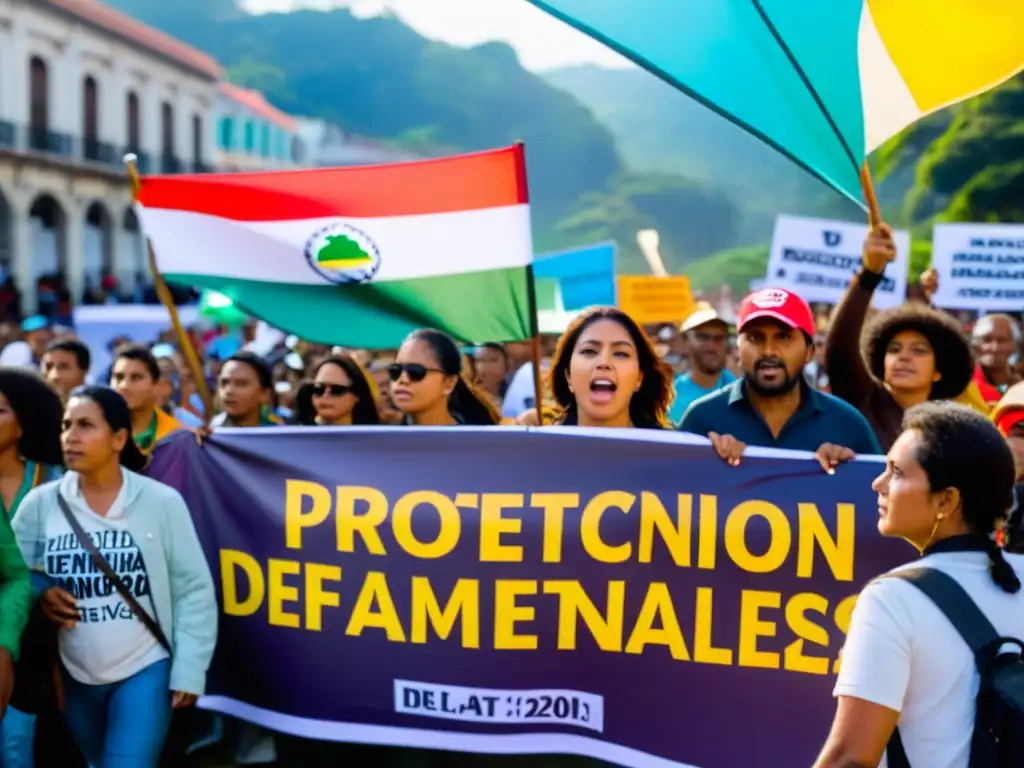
(980, 266)
(817, 258)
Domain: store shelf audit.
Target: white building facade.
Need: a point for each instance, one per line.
(81, 85)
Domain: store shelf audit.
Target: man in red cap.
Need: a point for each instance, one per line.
(772, 405)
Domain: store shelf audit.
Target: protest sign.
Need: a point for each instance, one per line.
(980, 266)
(652, 299)
(817, 258)
(586, 276)
(97, 325)
(618, 594)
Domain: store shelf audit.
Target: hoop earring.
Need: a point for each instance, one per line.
(938, 519)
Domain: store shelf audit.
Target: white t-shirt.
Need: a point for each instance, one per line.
(18, 354)
(902, 653)
(520, 395)
(109, 643)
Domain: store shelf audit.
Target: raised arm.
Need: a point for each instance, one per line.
(848, 374)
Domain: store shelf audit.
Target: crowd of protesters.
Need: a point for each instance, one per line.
(943, 401)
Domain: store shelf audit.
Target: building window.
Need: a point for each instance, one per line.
(265, 140)
(167, 129)
(225, 131)
(296, 150)
(281, 150)
(168, 157)
(90, 119)
(250, 137)
(39, 103)
(197, 142)
(133, 122)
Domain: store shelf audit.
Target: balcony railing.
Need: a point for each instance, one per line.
(76, 150)
(99, 152)
(49, 142)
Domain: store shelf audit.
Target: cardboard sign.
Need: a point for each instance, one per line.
(650, 300)
(980, 266)
(817, 258)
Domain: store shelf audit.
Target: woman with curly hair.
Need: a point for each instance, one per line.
(30, 418)
(605, 373)
(30, 456)
(908, 355)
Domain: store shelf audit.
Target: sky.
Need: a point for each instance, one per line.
(541, 41)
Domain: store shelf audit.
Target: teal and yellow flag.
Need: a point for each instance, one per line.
(823, 81)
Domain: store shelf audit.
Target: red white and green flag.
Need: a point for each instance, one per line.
(356, 256)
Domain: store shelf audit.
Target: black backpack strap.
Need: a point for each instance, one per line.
(962, 612)
(965, 616)
(896, 756)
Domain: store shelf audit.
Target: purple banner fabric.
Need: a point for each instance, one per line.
(618, 594)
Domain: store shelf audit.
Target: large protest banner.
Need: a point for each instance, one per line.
(980, 266)
(817, 258)
(617, 594)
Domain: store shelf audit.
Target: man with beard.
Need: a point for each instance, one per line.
(772, 405)
(707, 338)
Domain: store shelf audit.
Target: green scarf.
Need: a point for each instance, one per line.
(267, 419)
(146, 439)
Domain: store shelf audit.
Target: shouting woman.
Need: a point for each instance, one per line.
(605, 373)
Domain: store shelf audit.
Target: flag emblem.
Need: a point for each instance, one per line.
(342, 254)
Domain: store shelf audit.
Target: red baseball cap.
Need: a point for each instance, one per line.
(777, 304)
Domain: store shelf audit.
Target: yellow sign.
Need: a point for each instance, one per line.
(649, 299)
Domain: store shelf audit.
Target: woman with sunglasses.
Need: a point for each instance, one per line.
(341, 394)
(428, 387)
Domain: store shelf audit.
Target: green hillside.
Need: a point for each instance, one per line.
(378, 77)
(609, 151)
(659, 129)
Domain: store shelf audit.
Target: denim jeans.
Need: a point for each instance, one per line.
(17, 739)
(121, 725)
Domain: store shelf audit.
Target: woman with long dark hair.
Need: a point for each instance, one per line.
(605, 373)
(103, 523)
(427, 383)
(339, 395)
(908, 683)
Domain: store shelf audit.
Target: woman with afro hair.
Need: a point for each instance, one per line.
(30, 455)
(908, 355)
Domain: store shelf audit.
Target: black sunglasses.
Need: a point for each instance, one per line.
(338, 390)
(414, 371)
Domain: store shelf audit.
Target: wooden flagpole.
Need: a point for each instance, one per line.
(874, 212)
(164, 293)
(538, 386)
